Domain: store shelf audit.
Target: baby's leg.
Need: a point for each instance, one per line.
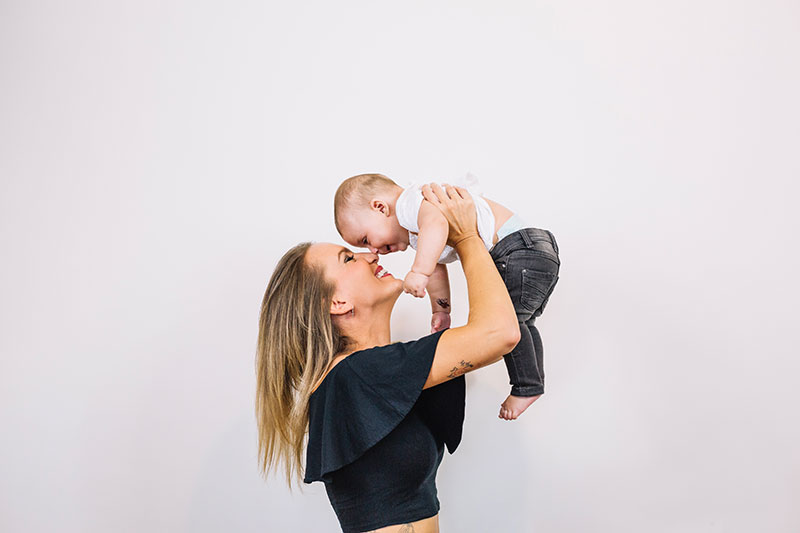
(538, 348)
(525, 363)
(528, 261)
(524, 371)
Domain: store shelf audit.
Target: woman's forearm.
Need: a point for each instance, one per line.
(490, 307)
(491, 329)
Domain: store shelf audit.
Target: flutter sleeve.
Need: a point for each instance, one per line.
(368, 394)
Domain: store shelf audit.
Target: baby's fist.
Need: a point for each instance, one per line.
(415, 283)
(439, 321)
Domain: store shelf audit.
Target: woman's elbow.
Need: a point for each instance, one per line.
(505, 339)
(509, 330)
(511, 337)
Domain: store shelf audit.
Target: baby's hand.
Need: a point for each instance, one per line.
(439, 321)
(415, 284)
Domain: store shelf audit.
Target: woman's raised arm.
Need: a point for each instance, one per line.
(491, 330)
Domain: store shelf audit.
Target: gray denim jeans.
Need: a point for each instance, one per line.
(529, 263)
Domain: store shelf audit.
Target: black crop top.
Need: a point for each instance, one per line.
(376, 439)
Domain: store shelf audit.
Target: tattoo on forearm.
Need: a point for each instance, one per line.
(443, 303)
(463, 368)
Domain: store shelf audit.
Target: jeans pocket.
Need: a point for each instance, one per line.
(536, 288)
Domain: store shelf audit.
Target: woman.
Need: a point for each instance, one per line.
(378, 415)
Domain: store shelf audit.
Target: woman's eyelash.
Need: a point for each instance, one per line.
(349, 258)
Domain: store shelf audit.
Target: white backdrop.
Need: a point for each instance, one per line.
(157, 158)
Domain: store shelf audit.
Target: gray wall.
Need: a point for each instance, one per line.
(157, 158)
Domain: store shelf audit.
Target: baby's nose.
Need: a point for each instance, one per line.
(372, 249)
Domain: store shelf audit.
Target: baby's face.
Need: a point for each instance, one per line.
(368, 228)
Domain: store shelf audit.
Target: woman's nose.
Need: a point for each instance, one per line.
(370, 257)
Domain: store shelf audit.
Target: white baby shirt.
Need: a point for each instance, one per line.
(410, 200)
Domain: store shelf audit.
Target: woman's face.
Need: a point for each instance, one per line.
(360, 282)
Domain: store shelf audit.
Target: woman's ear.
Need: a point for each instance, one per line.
(379, 205)
(340, 307)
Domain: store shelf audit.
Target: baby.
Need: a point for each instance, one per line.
(372, 211)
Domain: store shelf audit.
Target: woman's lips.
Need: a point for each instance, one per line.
(381, 272)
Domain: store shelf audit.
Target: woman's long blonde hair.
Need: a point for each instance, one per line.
(297, 340)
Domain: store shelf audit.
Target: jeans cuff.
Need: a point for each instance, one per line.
(533, 390)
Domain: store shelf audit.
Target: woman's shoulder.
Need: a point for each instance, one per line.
(336, 360)
(397, 361)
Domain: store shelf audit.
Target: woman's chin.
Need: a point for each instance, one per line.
(396, 287)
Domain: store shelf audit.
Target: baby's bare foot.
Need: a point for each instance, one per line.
(515, 406)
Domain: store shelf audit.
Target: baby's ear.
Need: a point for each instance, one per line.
(379, 205)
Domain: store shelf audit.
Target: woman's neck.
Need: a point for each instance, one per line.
(368, 335)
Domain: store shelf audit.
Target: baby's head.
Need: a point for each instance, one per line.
(363, 210)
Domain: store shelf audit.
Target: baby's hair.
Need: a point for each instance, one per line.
(357, 191)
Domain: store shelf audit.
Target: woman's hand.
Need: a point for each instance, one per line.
(458, 208)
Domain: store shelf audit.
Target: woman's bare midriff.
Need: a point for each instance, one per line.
(428, 525)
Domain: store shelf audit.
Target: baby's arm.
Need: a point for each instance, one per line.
(431, 240)
(439, 291)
